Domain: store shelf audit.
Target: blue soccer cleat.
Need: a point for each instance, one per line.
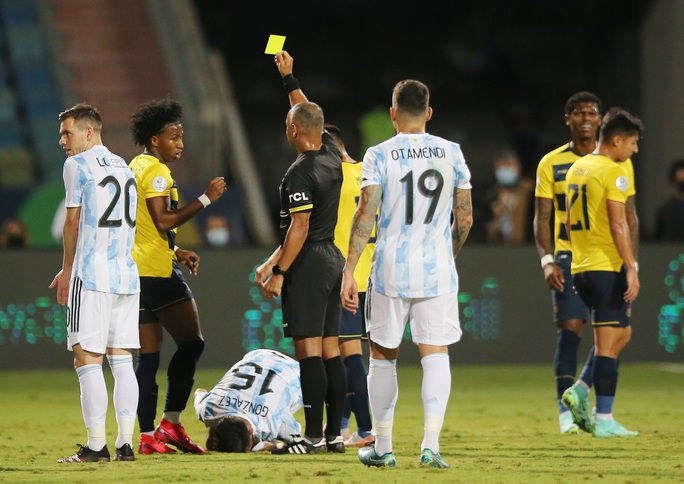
(368, 457)
(430, 459)
(611, 428)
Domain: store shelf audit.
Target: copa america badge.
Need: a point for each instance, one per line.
(159, 184)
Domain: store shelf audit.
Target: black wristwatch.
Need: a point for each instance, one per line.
(278, 271)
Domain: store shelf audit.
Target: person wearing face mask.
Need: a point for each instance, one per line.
(670, 215)
(217, 232)
(510, 202)
(13, 234)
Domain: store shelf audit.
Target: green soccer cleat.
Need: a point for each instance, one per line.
(611, 428)
(430, 459)
(579, 407)
(567, 424)
(368, 457)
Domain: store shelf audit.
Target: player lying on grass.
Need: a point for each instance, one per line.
(253, 405)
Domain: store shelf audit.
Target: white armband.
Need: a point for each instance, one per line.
(546, 260)
(204, 200)
(175, 248)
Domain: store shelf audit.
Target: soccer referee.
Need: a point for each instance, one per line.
(307, 267)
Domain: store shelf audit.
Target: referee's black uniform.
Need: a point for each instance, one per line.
(311, 291)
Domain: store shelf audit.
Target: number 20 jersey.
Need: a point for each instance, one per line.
(104, 187)
(263, 388)
(418, 173)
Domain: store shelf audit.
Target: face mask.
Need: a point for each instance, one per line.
(218, 237)
(16, 241)
(506, 176)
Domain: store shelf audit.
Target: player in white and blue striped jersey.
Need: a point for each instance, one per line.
(102, 183)
(253, 405)
(417, 174)
(99, 279)
(418, 182)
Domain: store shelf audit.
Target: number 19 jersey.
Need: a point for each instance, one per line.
(418, 173)
(104, 187)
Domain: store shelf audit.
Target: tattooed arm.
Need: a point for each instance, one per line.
(362, 226)
(463, 218)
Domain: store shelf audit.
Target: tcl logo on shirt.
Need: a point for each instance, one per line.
(298, 197)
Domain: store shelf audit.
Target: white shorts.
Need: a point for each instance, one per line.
(434, 320)
(100, 320)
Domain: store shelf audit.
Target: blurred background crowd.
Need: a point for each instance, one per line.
(499, 73)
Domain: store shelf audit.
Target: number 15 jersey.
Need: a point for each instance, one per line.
(418, 173)
(262, 388)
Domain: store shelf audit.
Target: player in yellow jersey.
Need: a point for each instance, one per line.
(353, 325)
(582, 116)
(165, 299)
(604, 268)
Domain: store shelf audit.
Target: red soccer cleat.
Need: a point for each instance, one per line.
(174, 434)
(149, 445)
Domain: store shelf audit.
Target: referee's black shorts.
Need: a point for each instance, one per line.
(311, 292)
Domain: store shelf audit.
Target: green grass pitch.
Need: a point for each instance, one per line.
(501, 427)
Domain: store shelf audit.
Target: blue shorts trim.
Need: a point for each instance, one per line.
(603, 292)
(567, 304)
(353, 326)
(157, 293)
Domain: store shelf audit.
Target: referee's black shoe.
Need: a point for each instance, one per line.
(335, 444)
(302, 445)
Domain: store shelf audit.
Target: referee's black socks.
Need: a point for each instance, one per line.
(314, 381)
(336, 394)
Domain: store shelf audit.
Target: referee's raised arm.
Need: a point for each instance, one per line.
(284, 62)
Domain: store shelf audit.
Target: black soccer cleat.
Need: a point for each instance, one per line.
(302, 445)
(85, 454)
(335, 444)
(124, 453)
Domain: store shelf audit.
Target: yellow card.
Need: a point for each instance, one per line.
(275, 44)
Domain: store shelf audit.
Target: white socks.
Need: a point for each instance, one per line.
(172, 417)
(94, 401)
(382, 394)
(125, 397)
(435, 392)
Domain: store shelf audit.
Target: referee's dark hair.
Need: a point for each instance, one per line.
(309, 117)
(618, 122)
(411, 97)
(229, 435)
(150, 119)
